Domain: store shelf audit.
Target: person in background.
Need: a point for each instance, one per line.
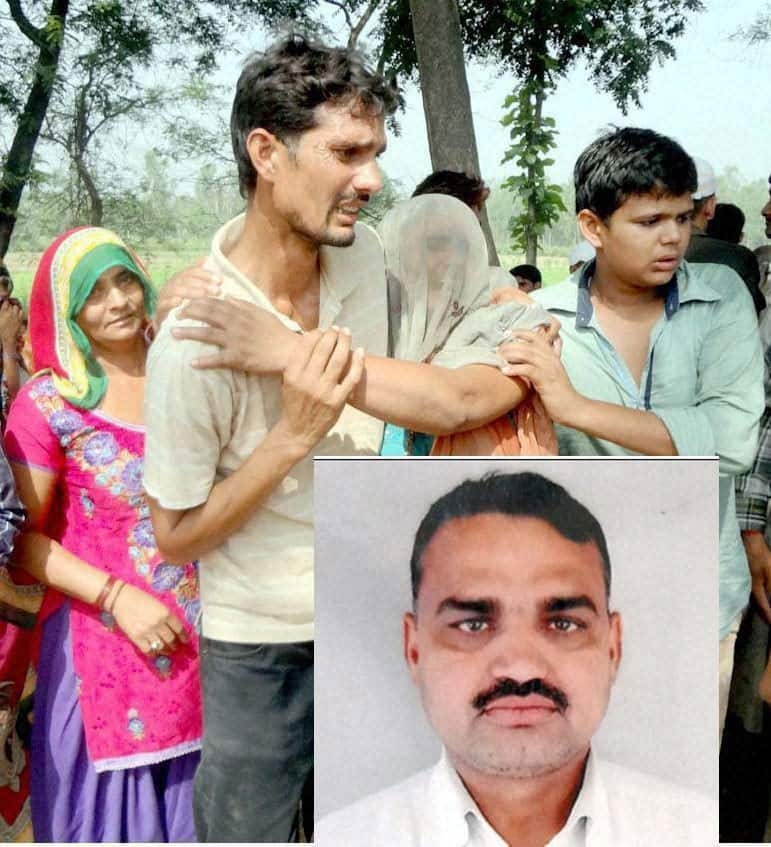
(117, 725)
(728, 223)
(18, 604)
(763, 253)
(440, 314)
(467, 188)
(704, 249)
(528, 277)
(582, 253)
(11, 319)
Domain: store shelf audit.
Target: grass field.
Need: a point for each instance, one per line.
(163, 264)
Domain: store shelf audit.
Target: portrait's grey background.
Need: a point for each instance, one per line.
(660, 518)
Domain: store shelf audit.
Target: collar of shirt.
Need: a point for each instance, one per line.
(454, 819)
(685, 286)
(341, 268)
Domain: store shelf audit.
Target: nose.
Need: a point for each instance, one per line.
(519, 653)
(368, 179)
(117, 297)
(674, 231)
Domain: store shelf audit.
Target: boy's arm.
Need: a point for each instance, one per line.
(641, 431)
(723, 419)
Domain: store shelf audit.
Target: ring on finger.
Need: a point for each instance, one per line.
(156, 646)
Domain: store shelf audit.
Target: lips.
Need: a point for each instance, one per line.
(122, 320)
(349, 211)
(515, 712)
(667, 263)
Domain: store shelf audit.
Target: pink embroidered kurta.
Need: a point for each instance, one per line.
(137, 709)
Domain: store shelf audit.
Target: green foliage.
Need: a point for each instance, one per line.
(539, 42)
(533, 137)
(620, 40)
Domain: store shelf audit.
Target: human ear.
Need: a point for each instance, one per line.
(262, 146)
(411, 654)
(615, 643)
(592, 227)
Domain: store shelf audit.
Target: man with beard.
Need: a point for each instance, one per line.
(514, 649)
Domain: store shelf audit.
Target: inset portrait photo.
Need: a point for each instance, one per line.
(516, 652)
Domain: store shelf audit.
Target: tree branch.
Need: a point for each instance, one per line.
(363, 21)
(342, 8)
(35, 34)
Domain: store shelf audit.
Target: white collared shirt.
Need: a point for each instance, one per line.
(616, 807)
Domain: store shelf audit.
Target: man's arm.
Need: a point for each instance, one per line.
(314, 394)
(428, 398)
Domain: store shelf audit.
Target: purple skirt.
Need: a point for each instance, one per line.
(70, 800)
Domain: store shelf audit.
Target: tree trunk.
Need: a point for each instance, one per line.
(95, 204)
(18, 163)
(446, 100)
(531, 243)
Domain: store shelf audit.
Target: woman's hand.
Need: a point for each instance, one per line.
(147, 623)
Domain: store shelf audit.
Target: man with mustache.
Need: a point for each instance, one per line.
(514, 648)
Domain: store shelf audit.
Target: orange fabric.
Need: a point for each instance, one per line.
(525, 431)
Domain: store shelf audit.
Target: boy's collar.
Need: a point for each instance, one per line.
(585, 310)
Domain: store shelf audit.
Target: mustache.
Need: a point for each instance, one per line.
(364, 197)
(511, 688)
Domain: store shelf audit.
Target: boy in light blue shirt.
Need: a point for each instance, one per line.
(659, 357)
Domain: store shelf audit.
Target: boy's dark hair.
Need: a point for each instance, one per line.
(527, 495)
(467, 188)
(727, 224)
(279, 90)
(530, 272)
(631, 161)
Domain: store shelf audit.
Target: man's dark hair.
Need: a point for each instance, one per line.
(727, 224)
(627, 162)
(279, 90)
(530, 272)
(527, 495)
(467, 188)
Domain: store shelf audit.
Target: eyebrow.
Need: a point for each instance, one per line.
(656, 213)
(481, 606)
(348, 145)
(565, 604)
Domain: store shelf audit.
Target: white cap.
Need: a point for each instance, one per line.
(707, 184)
(582, 252)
